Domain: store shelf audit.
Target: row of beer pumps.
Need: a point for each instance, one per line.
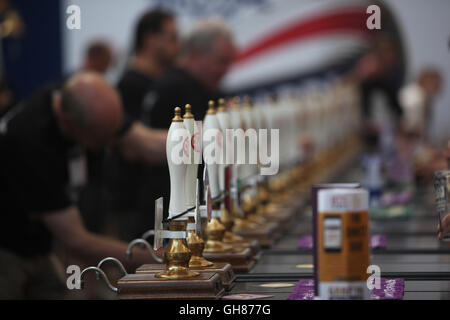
(241, 208)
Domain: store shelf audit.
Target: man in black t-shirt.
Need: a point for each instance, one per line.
(37, 139)
(207, 53)
(155, 49)
(92, 196)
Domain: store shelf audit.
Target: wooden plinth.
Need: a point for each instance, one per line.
(266, 234)
(254, 247)
(147, 286)
(224, 270)
(241, 262)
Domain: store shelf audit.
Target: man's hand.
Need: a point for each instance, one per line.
(67, 227)
(144, 144)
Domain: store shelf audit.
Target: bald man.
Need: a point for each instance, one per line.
(36, 170)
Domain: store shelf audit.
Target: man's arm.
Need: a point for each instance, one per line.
(445, 227)
(67, 227)
(140, 143)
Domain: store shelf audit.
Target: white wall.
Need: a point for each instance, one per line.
(115, 20)
(425, 26)
(110, 19)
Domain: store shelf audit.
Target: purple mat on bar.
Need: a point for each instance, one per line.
(399, 198)
(390, 289)
(377, 241)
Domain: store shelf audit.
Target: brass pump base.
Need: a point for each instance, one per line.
(214, 233)
(241, 261)
(258, 219)
(223, 269)
(228, 222)
(177, 256)
(176, 273)
(231, 238)
(200, 262)
(226, 219)
(244, 225)
(217, 246)
(266, 234)
(196, 246)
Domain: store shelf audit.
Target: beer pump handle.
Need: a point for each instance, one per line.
(198, 220)
(206, 210)
(177, 167)
(225, 125)
(227, 187)
(158, 241)
(193, 154)
(212, 135)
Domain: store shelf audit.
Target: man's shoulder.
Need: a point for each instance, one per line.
(32, 126)
(27, 115)
(39, 104)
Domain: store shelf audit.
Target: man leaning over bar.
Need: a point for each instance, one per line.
(154, 52)
(206, 56)
(36, 208)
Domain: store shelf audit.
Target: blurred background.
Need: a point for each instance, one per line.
(279, 41)
(316, 56)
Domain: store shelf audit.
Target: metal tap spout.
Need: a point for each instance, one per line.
(145, 245)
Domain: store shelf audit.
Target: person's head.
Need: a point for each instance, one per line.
(98, 57)
(387, 51)
(430, 80)
(208, 51)
(88, 110)
(156, 36)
